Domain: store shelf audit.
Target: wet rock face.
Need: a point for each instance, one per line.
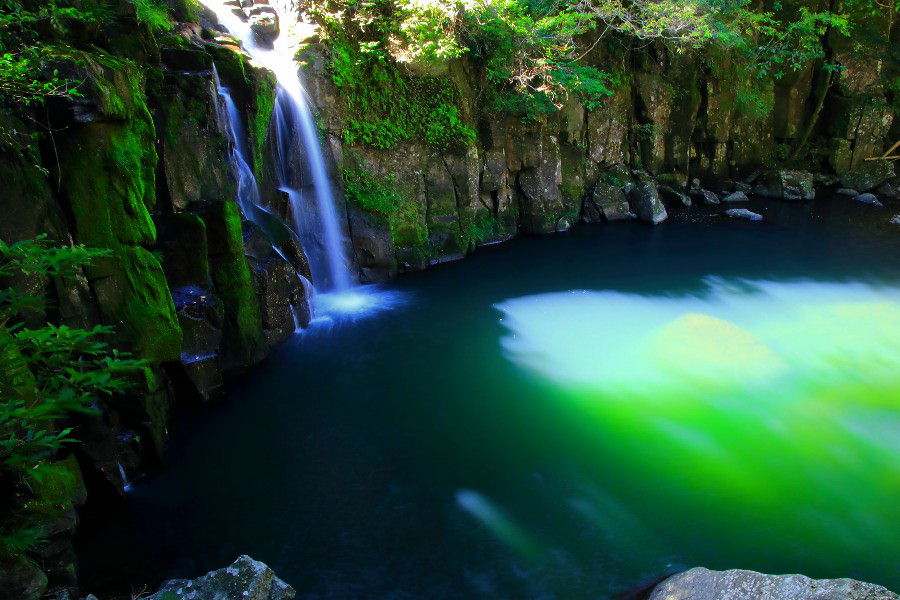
(244, 579)
(703, 584)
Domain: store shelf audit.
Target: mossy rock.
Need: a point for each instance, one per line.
(194, 150)
(112, 87)
(231, 63)
(133, 296)
(182, 238)
(265, 86)
(108, 177)
(60, 483)
(243, 336)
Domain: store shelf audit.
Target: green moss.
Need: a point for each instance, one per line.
(132, 292)
(59, 483)
(378, 196)
(265, 104)
(108, 172)
(232, 278)
(387, 107)
(231, 64)
(155, 15)
(484, 227)
(109, 168)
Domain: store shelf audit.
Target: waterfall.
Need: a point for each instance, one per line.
(230, 118)
(317, 224)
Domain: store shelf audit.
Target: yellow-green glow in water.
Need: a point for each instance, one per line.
(762, 411)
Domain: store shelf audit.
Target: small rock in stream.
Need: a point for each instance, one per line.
(743, 213)
(736, 197)
(896, 220)
(705, 197)
(867, 198)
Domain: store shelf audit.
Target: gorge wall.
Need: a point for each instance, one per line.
(139, 164)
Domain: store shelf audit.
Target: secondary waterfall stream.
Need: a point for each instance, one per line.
(317, 222)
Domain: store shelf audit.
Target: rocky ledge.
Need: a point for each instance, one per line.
(703, 584)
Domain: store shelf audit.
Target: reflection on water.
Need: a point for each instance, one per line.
(783, 398)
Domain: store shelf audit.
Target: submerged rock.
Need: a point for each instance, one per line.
(646, 204)
(743, 213)
(703, 584)
(847, 192)
(736, 197)
(244, 579)
(868, 199)
(786, 185)
(895, 220)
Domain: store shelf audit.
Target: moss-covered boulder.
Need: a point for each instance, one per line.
(243, 342)
(132, 294)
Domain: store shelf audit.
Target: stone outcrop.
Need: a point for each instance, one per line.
(646, 203)
(786, 185)
(703, 584)
(244, 579)
(606, 202)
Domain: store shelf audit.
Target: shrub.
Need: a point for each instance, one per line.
(47, 374)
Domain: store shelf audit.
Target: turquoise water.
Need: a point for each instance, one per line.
(559, 417)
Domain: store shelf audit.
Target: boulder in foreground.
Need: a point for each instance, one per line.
(244, 579)
(703, 584)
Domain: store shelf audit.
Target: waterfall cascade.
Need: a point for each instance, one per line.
(230, 121)
(316, 219)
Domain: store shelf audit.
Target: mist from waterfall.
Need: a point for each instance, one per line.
(316, 223)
